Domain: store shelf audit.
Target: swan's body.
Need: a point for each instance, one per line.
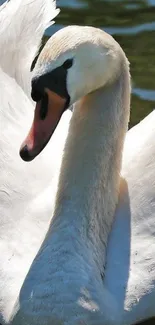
(130, 272)
(66, 284)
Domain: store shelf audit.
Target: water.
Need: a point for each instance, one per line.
(132, 23)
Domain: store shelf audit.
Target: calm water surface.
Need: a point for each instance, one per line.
(132, 23)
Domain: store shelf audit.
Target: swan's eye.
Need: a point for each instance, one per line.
(67, 64)
(36, 95)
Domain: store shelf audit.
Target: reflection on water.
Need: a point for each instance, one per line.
(132, 23)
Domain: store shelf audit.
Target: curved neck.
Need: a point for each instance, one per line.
(89, 177)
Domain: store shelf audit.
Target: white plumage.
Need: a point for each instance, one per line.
(27, 196)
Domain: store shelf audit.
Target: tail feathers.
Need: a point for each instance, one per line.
(22, 24)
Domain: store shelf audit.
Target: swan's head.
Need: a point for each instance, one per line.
(75, 62)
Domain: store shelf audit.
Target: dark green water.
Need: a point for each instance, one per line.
(132, 23)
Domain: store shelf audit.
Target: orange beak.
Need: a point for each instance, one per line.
(42, 129)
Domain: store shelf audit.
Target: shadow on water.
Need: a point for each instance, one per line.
(132, 23)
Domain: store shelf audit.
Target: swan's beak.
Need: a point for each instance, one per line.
(43, 126)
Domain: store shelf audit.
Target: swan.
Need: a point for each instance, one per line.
(71, 280)
(27, 201)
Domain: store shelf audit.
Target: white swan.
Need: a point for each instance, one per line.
(26, 197)
(25, 200)
(65, 284)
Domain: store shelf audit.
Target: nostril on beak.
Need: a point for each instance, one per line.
(25, 154)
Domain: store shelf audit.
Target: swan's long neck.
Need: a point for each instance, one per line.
(89, 178)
